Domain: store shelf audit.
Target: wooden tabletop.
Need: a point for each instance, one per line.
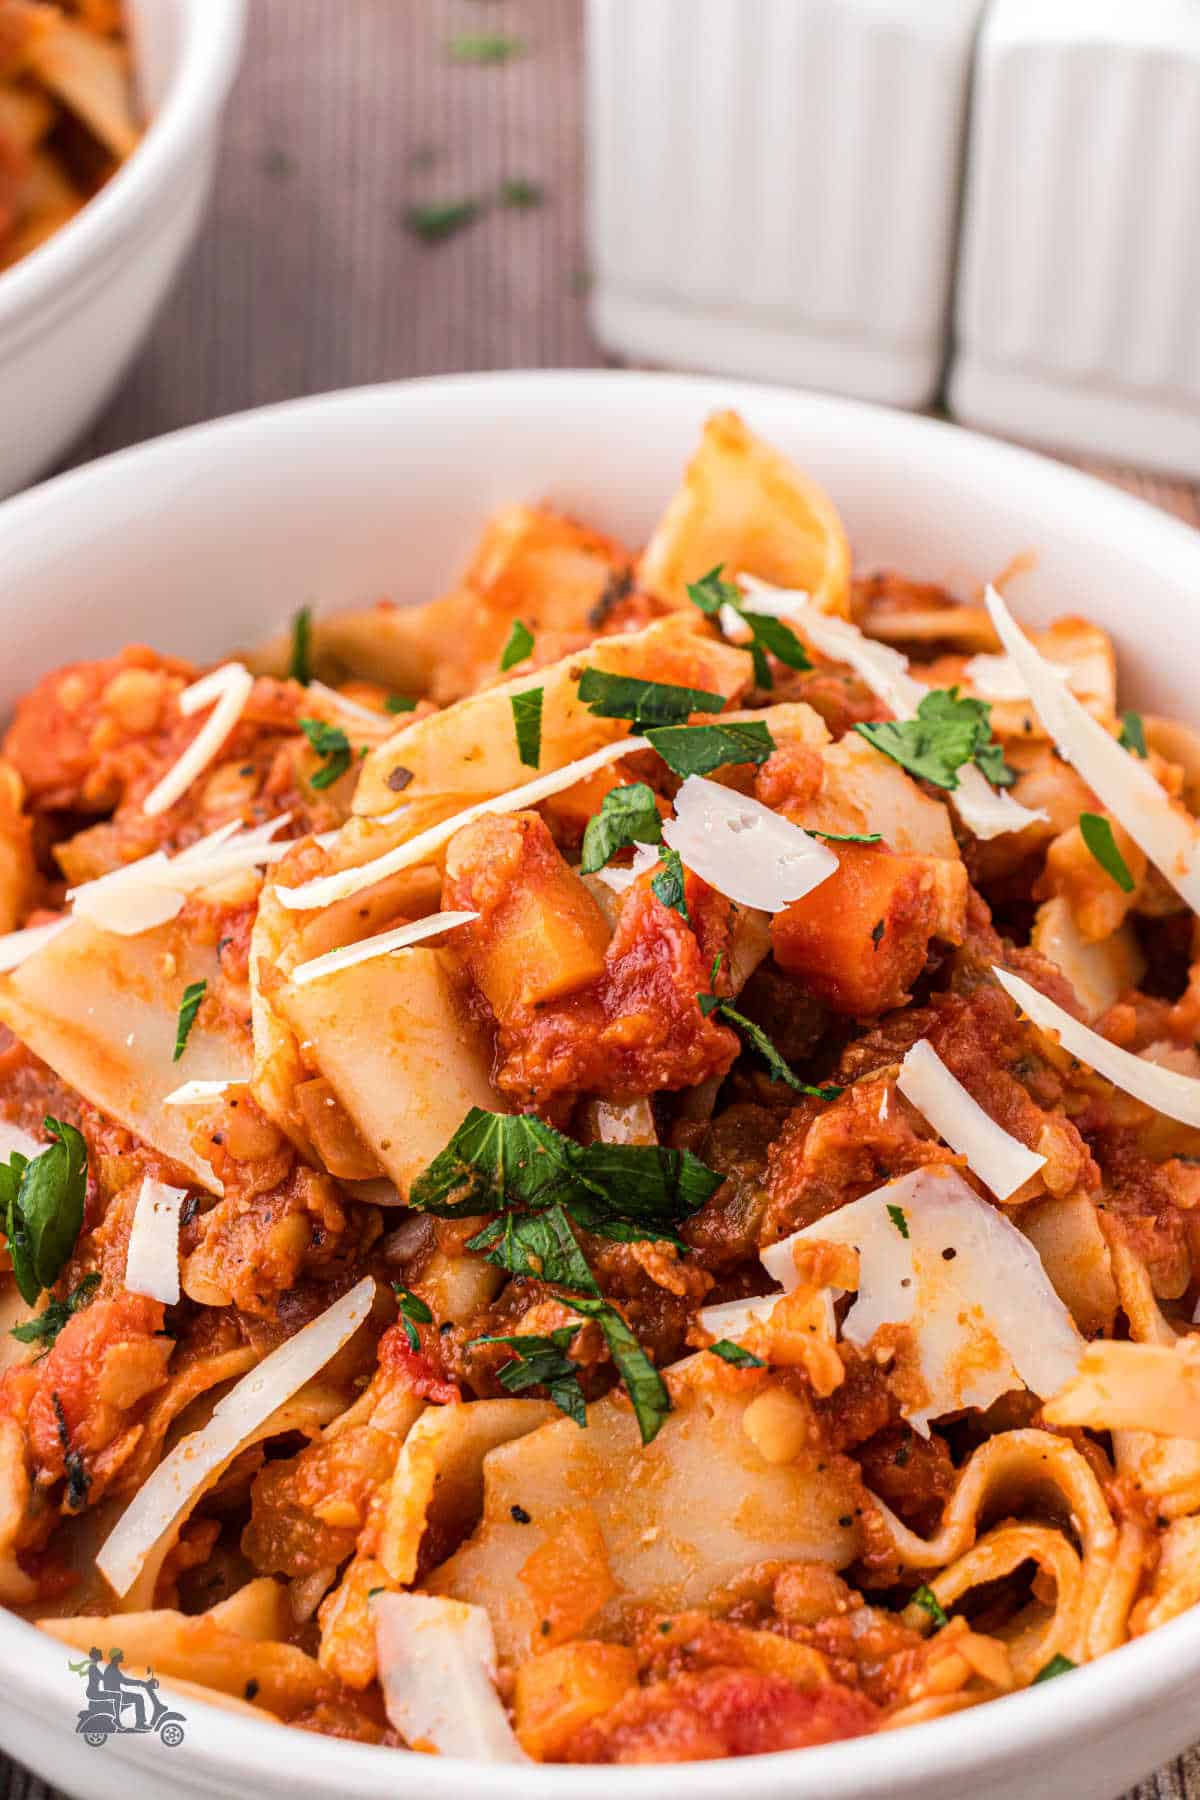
(310, 275)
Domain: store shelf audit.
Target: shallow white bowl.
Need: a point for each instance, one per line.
(73, 313)
(212, 537)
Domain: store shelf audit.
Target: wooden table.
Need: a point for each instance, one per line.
(308, 276)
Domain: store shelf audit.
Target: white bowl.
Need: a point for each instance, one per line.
(74, 311)
(211, 538)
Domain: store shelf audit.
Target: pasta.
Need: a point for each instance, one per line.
(67, 118)
(603, 1169)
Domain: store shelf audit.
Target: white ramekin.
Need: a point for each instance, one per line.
(73, 313)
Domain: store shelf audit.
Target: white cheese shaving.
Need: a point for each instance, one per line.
(984, 1319)
(645, 858)
(1176, 1096)
(12, 1138)
(998, 677)
(732, 1319)
(226, 690)
(420, 849)
(987, 811)
(743, 849)
(167, 1494)
(15, 946)
(384, 943)
(437, 1668)
(999, 1159)
(1121, 782)
(150, 892)
(199, 1093)
(152, 1258)
(376, 724)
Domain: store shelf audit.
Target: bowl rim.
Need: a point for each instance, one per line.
(1099, 1699)
(47, 278)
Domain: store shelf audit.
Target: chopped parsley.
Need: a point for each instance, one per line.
(484, 47)
(733, 1353)
(845, 837)
(527, 723)
(189, 1006)
(644, 702)
(949, 730)
(711, 594)
(519, 645)
(896, 1215)
(925, 1596)
(300, 664)
(41, 1205)
(1058, 1665)
(413, 1312)
(46, 1327)
(540, 1244)
(441, 219)
(332, 746)
(628, 815)
(542, 1362)
(521, 193)
(758, 1040)
(643, 1383)
(699, 749)
(668, 884)
(1098, 836)
(399, 703)
(1133, 734)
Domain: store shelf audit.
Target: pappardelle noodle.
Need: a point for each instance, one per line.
(603, 1168)
(67, 115)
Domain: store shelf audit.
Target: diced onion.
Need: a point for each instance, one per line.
(743, 849)
(15, 946)
(1121, 782)
(328, 888)
(1177, 1096)
(382, 944)
(226, 690)
(437, 1668)
(987, 811)
(998, 1158)
(199, 1093)
(152, 1258)
(183, 1474)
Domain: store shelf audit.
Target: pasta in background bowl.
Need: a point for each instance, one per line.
(340, 500)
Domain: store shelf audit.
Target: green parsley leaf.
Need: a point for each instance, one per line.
(632, 1191)
(440, 220)
(947, 732)
(527, 723)
(46, 1327)
(519, 645)
(331, 743)
(711, 593)
(540, 1244)
(413, 1312)
(925, 1596)
(1098, 836)
(1133, 734)
(1058, 1665)
(543, 1362)
(399, 703)
(43, 1199)
(645, 702)
(846, 837)
(668, 884)
(521, 193)
(484, 47)
(699, 749)
(644, 1385)
(193, 994)
(733, 1353)
(777, 636)
(758, 1040)
(300, 666)
(628, 815)
(896, 1215)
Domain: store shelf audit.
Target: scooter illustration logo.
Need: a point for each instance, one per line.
(117, 1702)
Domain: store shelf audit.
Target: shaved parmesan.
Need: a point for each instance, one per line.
(437, 1668)
(645, 858)
(984, 1319)
(15, 946)
(422, 848)
(12, 1138)
(199, 1093)
(998, 677)
(743, 849)
(997, 1157)
(152, 1258)
(987, 811)
(1122, 783)
(150, 892)
(183, 1474)
(374, 724)
(384, 943)
(226, 690)
(734, 1319)
(1177, 1096)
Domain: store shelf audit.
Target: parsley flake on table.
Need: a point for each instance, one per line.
(521, 193)
(189, 1006)
(949, 730)
(527, 723)
(628, 815)
(484, 47)
(332, 746)
(440, 219)
(1097, 834)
